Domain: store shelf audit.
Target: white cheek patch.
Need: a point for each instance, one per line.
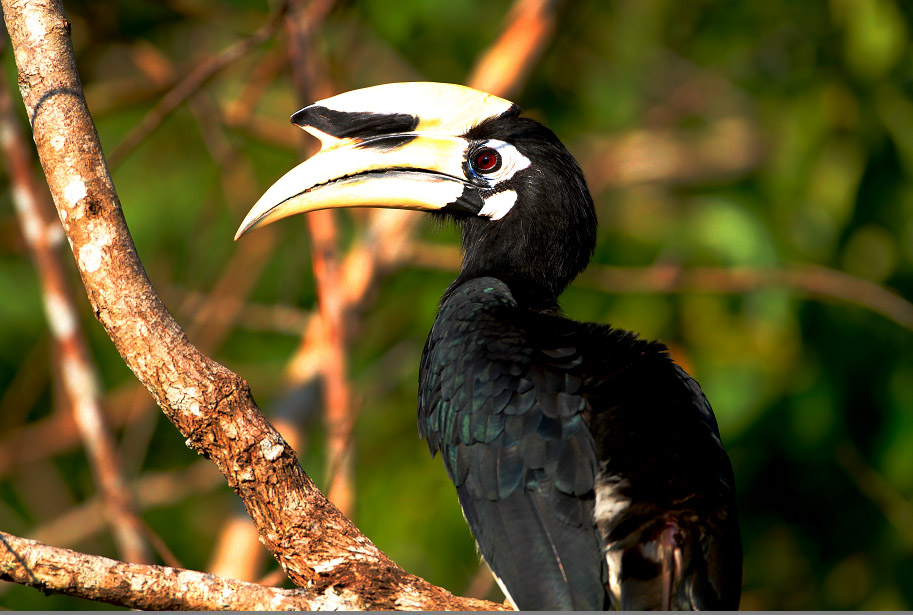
(497, 205)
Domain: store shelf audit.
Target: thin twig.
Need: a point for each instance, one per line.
(237, 553)
(813, 280)
(194, 80)
(240, 109)
(152, 490)
(277, 318)
(300, 25)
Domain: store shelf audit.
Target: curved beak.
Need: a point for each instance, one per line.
(397, 146)
(399, 171)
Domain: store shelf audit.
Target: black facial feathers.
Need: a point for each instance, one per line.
(549, 235)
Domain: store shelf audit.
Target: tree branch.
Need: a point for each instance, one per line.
(210, 405)
(139, 586)
(300, 26)
(812, 280)
(193, 81)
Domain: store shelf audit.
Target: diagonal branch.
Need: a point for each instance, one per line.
(192, 82)
(210, 405)
(503, 67)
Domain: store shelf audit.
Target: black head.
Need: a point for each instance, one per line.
(544, 232)
(520, 197)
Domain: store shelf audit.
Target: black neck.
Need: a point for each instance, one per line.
(528, 294)
(548, 235)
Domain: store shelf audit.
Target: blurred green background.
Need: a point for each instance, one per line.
(751, 135)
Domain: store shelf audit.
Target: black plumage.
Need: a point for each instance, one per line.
(532, 412)
(587, 463)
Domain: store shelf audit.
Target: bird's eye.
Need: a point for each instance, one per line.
(486, 160)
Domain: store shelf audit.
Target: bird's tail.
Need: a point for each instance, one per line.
(670, 556)
(675, 564)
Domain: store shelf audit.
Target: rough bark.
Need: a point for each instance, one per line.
(56, 570)
(210, 405)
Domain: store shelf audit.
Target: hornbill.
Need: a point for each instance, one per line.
(587, 463)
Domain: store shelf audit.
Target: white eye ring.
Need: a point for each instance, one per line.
(508, 162)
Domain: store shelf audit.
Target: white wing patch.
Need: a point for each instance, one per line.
(610, 504)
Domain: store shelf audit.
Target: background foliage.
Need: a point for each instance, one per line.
(734, 135)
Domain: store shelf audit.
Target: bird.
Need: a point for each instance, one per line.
(587, 463)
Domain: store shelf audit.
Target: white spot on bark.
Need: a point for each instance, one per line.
(60, 315)
(90, 256)
(271, 449)
(34, 22)
(329, 565)
(409, 600)
(75, 191)
(58, 141)
(193, 406)
(174, 395)
(184, 399)
(338, 601)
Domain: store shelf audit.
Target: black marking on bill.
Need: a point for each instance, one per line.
(358, 124)
(469, 203)
(386, 143)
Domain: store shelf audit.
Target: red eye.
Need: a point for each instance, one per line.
(486, 160)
